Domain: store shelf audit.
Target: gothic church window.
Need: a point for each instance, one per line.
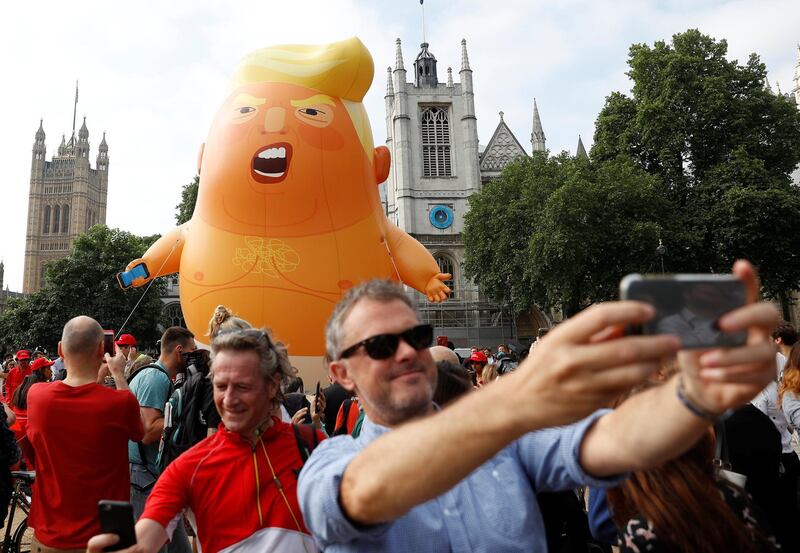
(446, 265)
(173, 315)
(436, 161)
(65, 220)
(56, 219)
(46, 220)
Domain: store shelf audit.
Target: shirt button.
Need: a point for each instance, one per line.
(447, 512)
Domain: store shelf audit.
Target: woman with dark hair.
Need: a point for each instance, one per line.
(668, 509)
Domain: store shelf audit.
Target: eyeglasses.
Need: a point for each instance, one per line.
(383, 346)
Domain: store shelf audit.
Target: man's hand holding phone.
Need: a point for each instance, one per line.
(719, 379)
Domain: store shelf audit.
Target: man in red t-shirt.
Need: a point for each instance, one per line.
(18, 373)
(79, 431)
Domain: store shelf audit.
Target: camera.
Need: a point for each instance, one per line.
(197, 361)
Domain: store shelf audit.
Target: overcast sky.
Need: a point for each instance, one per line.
(152, 74)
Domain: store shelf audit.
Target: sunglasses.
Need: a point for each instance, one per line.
(383, 346)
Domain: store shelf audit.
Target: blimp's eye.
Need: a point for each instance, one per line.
(242, 114)
(315, 116)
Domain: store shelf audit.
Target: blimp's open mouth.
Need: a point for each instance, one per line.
(271, 163)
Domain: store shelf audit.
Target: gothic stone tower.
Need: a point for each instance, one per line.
(66, 197)
(433, 138)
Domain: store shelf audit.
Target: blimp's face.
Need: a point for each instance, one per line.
(284, 160)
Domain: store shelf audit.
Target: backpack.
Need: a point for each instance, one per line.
(184, 424)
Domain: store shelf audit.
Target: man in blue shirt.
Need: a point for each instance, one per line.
(152, 386)
(465, 478)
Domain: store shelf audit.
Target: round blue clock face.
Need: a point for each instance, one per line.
(441, 216)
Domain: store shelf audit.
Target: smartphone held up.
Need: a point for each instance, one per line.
(108, 342)
(116, 517)
(688, 306)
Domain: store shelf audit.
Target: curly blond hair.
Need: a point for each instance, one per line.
(223, 320)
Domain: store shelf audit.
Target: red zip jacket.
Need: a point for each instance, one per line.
(233, 497)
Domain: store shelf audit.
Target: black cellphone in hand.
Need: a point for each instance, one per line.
(688, 306)
(316, 398)
(116, 517)
(108, 342)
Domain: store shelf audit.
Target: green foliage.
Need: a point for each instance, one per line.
(692, 109)
(562, 231)
(84, 283)
(723, 144)
(185, 209)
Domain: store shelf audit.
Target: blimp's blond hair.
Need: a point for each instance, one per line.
(343, 69)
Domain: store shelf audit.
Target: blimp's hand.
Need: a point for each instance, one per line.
(139, 280)
(436, 289)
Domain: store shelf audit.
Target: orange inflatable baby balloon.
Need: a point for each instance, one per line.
(288, 216)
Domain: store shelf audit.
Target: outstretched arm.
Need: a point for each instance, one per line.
(713, 380)
(163, 257)
(416, 265)
(566, 378)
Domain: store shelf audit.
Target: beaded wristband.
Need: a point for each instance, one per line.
(693, 407)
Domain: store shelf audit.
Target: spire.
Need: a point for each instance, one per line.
(580, 151)
(537, 134)
(389, 84)
(767, 85)
(398, 57)
(501, 114)
(84, 132)
(425, 68)
(103, 145)
(40, 132)
(449, 77)
(38, 144)
(464, 56)
(62, 148)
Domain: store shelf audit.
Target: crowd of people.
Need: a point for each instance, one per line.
(590, 439)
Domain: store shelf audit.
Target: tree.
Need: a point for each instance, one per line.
(499, 222)
(185, 209)
(691, 109)
(562, 231)
(724, 146)
(84, 283)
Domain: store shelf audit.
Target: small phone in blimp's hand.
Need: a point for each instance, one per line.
(688, 306)
(116, 517)
(126, 278)
(108, 342)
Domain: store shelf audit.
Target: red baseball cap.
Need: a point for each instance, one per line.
(126, 340)
(478, 357)
(23, 354)
(41, 363)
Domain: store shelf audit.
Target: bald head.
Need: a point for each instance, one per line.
(441, 353)
(81, 337)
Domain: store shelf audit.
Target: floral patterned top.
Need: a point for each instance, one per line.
(639, 536)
